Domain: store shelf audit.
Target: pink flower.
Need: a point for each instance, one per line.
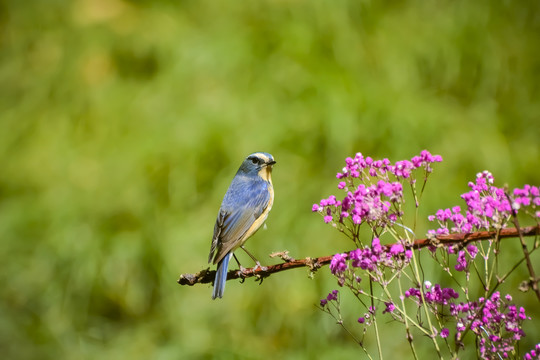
(338, 264)
(396, 249)
(389, 307)
(444, 333)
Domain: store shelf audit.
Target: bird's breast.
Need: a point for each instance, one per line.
(266, 174)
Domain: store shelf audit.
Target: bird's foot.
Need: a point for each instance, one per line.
(242, 273)
(259, 272)
(260, 267)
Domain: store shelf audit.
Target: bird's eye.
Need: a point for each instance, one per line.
(255, 160)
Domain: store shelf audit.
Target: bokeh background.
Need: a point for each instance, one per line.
(122, 123)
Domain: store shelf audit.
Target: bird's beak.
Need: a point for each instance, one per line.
(271, 163)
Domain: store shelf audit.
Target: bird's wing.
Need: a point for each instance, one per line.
(242, 205)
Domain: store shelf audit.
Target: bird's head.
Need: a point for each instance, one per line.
(259, 163)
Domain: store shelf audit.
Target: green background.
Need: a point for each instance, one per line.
(123, 122)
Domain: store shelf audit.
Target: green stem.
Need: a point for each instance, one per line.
(421, 286)
(377, 336)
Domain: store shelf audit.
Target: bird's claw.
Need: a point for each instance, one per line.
(259, 271)
(242, 274)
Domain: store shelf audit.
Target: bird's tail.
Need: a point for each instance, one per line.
(221, 277)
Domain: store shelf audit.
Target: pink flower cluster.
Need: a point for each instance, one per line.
(487, 207)
(367, 203)
(359, 166)
(332, 296)
(435, 295)
(371, 201)
(495, 321)
(338, 265)
(371, 258)
(534, 354)
(464, 257)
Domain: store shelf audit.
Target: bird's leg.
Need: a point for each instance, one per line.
(263, 268)
(238, 262)
(242, 269)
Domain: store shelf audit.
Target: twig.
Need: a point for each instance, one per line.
(533, 282)
(206, 276)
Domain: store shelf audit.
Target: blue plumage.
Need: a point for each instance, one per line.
(221, 276)
(243, 210)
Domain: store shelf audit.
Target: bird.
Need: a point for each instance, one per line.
(244, 209)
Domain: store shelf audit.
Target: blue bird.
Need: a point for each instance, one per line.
(244, 209)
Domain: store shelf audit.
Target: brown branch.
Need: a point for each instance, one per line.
(207, 276)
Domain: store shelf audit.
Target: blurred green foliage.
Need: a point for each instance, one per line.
(123, 122)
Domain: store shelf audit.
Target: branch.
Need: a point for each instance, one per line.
(207, 276)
